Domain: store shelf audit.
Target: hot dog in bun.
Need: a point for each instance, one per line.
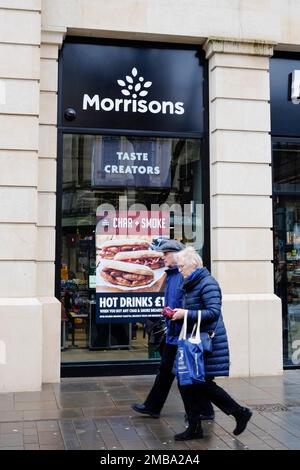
(153, 259)
(127, 274)
(111, 247)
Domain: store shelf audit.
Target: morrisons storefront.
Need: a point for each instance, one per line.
(132, 165)
(121, 124)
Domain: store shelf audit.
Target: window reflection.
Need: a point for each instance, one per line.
(286, 163)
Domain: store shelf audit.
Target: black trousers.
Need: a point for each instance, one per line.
(195, 398)
(163, 382)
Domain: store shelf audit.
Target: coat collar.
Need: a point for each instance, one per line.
(193, 279)
(171, 271)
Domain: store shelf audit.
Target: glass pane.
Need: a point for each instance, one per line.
(286, 164)
(90, 180)
(287, 273)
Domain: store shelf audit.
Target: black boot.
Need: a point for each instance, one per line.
(194, 431)
(140, 408)
(242, 417)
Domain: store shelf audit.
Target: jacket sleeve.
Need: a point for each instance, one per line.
(180, 297)
(211, 299)
(178, 292)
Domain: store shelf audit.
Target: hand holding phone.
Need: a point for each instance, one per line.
(168, 312)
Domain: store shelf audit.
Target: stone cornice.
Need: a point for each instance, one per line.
(53, 36)
(215, 45)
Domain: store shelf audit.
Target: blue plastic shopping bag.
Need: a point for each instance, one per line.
(189, 362)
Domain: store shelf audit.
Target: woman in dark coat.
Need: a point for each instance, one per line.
(202, 292)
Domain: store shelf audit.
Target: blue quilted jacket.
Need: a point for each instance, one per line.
(202, 292)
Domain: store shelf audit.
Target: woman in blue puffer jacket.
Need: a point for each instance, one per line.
(202, 292)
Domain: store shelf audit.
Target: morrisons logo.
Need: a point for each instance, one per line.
(135, 88)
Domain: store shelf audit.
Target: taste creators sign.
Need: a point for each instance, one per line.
(131, 161)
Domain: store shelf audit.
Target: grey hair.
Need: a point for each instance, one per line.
(190, 257)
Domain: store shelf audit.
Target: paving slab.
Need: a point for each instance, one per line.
(95, 413)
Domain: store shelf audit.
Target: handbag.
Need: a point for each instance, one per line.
(156, 332)
(189, 362)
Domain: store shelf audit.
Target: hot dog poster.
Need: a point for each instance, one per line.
(130, 275)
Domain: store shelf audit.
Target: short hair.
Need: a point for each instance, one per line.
(190, 257)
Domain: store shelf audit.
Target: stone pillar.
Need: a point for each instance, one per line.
(29, 312)
(51, 41)
(20, 310)
(241, 204)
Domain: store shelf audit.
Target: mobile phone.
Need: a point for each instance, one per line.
(168, 312)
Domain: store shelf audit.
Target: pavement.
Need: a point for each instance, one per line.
(95, 413)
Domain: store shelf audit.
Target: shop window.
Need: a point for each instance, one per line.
(286, 168)
(106, 169)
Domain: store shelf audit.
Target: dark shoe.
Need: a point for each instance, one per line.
(242, 417)
(194, 431)
(144, 410)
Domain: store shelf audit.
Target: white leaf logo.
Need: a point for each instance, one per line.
(134, 84)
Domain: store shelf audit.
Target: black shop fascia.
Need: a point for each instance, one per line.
(133, 87)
